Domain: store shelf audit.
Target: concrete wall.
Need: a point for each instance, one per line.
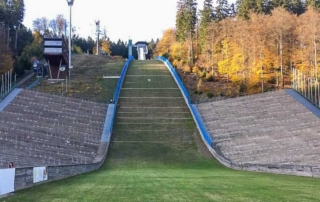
(24, 176)
(300, 170)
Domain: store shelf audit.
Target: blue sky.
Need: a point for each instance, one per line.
(138, 19)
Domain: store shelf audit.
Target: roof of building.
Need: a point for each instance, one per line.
(141, 42)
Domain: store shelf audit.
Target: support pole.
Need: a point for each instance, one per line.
(70, 35)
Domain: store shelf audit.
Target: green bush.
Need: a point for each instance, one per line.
(166, 55)
(200, 92)
(222, 94)
(98, 79)
(195, 92)
(210, 95)
(76, 49)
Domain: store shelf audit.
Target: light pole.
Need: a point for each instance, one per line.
(70, 4)
(98, 32)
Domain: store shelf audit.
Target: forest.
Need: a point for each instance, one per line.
(19, 45)
(253, 45)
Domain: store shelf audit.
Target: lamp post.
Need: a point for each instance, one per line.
(70, 4)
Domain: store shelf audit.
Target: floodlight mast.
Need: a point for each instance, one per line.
(98, 32)
(70, 4)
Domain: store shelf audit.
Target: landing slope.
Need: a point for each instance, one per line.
(153, 122)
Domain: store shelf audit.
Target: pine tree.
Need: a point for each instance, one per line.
(186, 19)
(258, 6)
(206, 17)
(180, 18)
(222, 10)
(313, 3)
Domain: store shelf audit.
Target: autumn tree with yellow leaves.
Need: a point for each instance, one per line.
(258, 51)
(5, 56)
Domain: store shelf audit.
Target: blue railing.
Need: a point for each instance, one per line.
(120, 82)
(118, 89)
(196, 116)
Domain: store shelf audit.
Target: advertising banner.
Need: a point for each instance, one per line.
(7, 180)
(40, 174)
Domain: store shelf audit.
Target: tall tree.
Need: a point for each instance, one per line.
(11, 12)
(313, 3)
(206, 17)
(186, 23)
(282, 24)
(296, 6)
(222, 10)
(257, 6)
(163, 46)
(293, 6)
(5, 58)
(180, 21)
(186, 19)
(310, 41)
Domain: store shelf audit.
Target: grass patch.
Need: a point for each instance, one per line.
(87, 80)
(142, 172)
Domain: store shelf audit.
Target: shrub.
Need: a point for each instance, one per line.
(166, 55)
(242, 87)
(200, 92)
(209, 78)
(202, 74)
(210, 95)
(186, 68)
(76, 49)
(195, 92)
(98, 78)
(222, 94)
(195, 70)
(272, 80)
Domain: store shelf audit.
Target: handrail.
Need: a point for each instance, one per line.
(118, 88)
(120, 82)
(34, 83)
(185, 93)
(25, 79)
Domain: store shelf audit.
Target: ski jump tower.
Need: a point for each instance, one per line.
(56, 53)
(142, 49)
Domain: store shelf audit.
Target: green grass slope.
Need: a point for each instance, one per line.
(156, 154)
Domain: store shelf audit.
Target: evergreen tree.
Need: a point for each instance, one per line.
(206, 17)
(232, 12)
(186, 19)
(258, 6)
(11, 12)
(313, 3)
(265, 6)
(222, 10)
(293, 6)
(180, 18)
(296, 6)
